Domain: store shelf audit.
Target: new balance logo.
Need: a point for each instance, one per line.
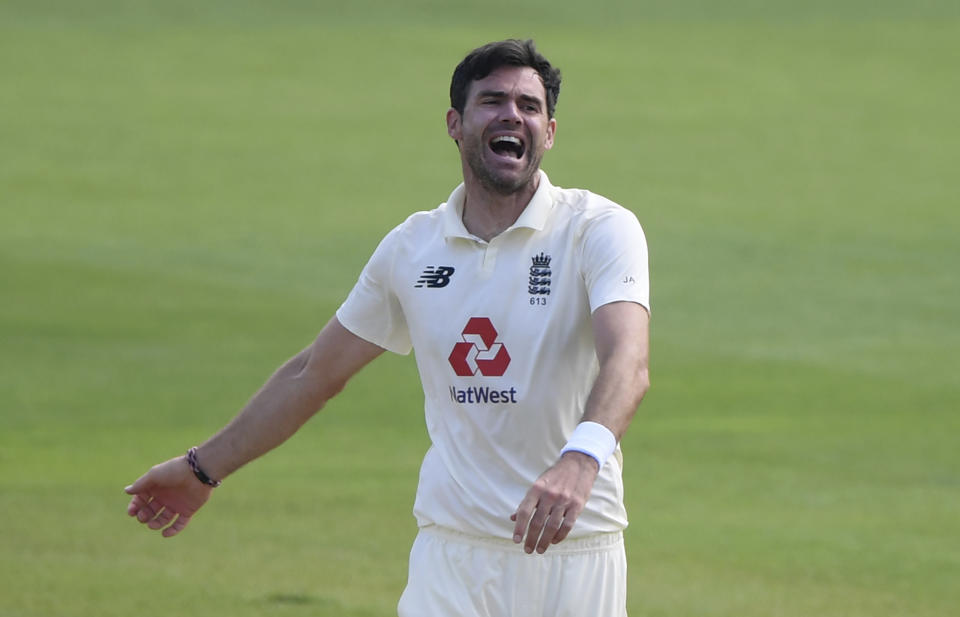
(435, 276)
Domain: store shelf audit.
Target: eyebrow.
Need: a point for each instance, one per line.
(502, 94)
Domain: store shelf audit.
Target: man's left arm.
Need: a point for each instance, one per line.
(551, 506)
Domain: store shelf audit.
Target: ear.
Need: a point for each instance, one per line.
(551, 132)
(454, 121)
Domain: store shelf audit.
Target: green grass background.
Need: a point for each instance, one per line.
(188, 190)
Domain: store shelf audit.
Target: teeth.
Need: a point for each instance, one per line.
(507, 138)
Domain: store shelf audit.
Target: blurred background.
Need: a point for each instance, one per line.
(189, 190)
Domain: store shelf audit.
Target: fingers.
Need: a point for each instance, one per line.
(166, 497)
(142, 505)
(552, 505)
(139, 486)
(140, 494)
(148, 510)
(523, 515)
(564, 529)
(546, 522)
(136, 504)
(156, 516)
(177, 526)
(161, 520)
(536, 529)
(548, 528)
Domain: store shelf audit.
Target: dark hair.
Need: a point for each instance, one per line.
(512, 52)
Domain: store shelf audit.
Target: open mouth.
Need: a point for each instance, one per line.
(507, 145)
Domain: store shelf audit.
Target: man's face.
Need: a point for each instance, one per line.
(504, 129)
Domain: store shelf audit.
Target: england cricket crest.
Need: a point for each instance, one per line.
(539, 283)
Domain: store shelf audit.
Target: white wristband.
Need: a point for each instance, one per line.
(593, 439)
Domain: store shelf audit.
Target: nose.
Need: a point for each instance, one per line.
(510, 112)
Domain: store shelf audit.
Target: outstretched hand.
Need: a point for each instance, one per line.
(551, 507)
(167, 496)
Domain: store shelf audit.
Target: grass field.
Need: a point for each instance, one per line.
(188, 192)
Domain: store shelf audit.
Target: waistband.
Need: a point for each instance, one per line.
(587, 544)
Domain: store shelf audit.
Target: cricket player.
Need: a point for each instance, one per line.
(528, 307)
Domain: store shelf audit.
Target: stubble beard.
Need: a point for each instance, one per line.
(502, 184)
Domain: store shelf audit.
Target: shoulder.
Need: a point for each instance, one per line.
(589, 212)
(424, 219)
(416, 228)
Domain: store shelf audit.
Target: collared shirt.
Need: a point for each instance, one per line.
(504, 345)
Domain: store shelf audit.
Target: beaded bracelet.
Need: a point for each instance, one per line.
(195, 468)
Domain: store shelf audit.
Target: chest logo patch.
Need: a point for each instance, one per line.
(479, 351)
(539, 283)
(434, 277)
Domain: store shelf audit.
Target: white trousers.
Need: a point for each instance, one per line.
(456, 575)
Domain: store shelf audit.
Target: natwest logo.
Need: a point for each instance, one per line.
(479, 352)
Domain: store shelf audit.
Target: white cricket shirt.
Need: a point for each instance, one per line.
(504, 345)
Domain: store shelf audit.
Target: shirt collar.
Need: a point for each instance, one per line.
(534, 215)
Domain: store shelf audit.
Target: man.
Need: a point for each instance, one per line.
(527, 305)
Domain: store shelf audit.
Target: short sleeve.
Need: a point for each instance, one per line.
(372, 310)
(614, 259)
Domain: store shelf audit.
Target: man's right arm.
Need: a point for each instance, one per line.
(168, 495)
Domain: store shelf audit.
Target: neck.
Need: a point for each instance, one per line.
(487, 213)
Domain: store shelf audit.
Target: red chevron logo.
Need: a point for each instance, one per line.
(479, 351)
